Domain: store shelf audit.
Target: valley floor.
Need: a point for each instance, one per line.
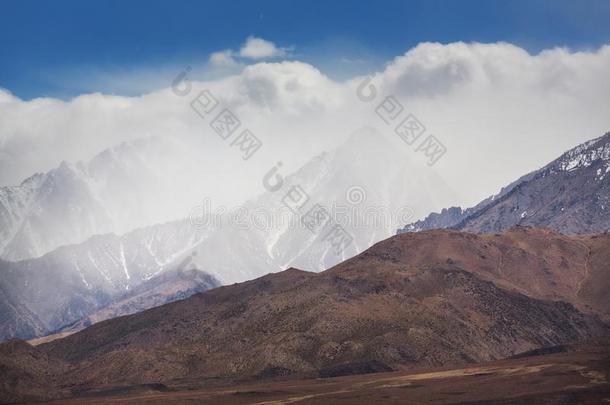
(580, 375)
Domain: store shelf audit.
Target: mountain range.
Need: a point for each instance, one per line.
(93, 276)
(223, 310)
(92, 279)
(427, 299)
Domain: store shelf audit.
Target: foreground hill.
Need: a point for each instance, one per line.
(416, 300)
(570, 195)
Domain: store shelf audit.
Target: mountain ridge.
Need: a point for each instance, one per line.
(569, 194)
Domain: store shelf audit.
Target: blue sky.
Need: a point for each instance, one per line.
(65, 48)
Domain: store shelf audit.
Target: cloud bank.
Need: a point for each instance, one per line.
(499, 111)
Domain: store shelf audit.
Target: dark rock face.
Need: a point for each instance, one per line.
(570, 195)
(415, 300)
(447, 218)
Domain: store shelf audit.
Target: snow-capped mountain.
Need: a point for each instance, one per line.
(571, 195)
(119, 190)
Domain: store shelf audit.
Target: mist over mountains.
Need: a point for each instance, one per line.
(120, 189)
(265, 235)
(367, 186)
(261, 236)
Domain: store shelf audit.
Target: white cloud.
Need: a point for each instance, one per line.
(223, 59)
(500, 111)
(6, 97)
(258, 48)
(254, 49)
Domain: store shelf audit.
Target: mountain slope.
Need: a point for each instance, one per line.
(425, 299)
(537, 262)
(28, 374)
(570, 195)
(164, 288)
(41, 295)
